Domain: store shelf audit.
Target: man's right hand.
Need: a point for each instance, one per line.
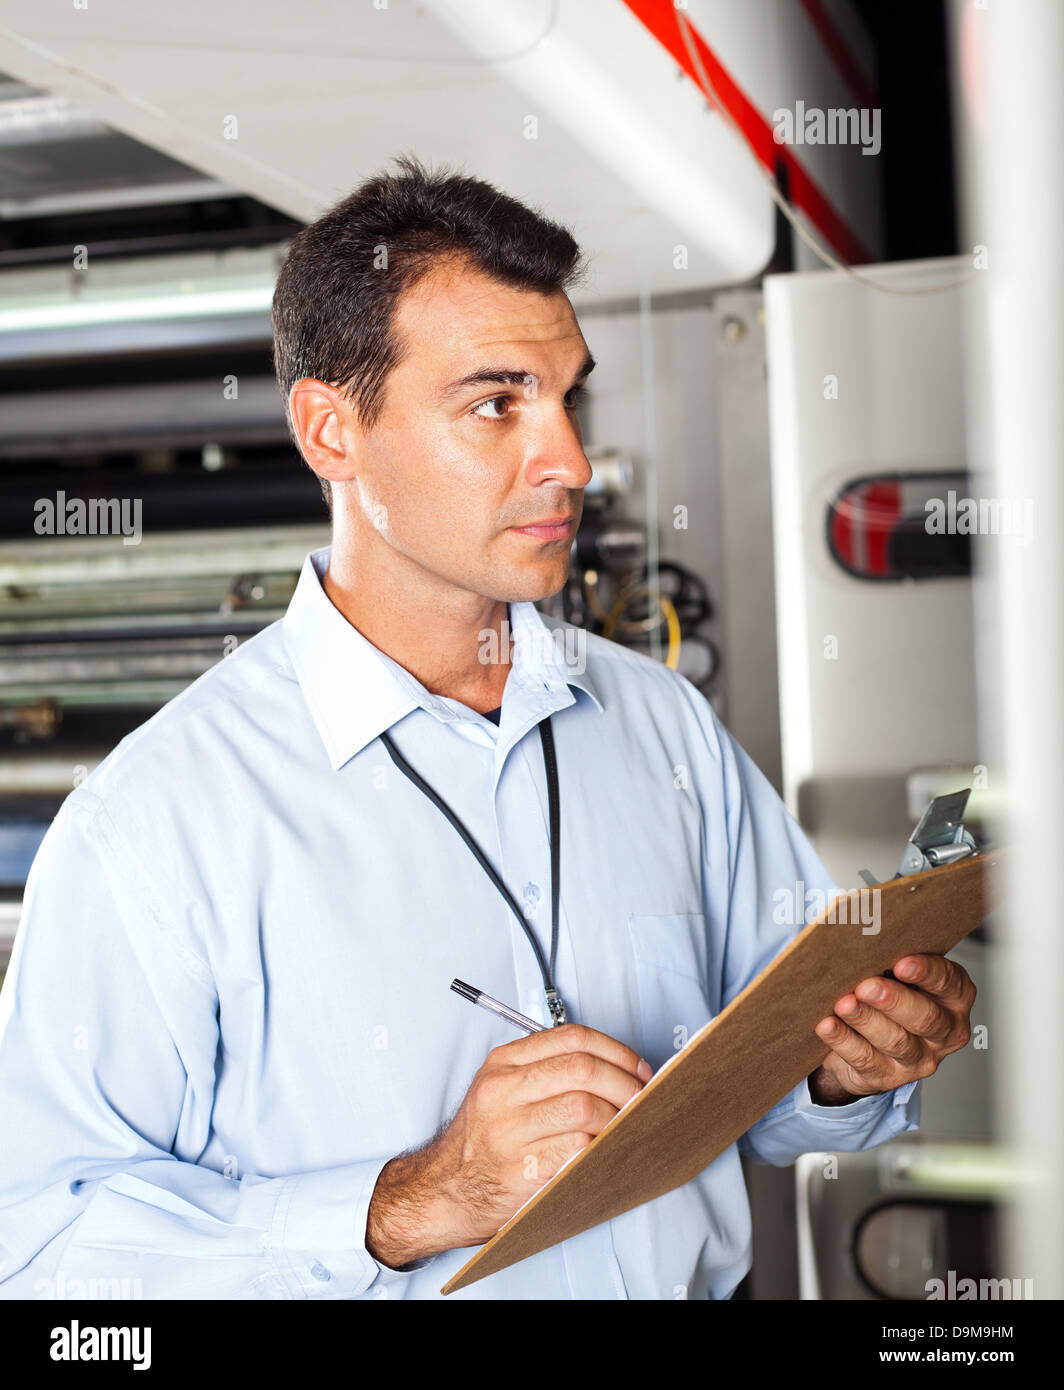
(533, 1104)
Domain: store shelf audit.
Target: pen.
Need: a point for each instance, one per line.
(475, 996)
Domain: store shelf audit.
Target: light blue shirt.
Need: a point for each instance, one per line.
(229, 1001)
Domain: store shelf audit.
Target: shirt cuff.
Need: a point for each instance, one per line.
(857, 1109)
(318, 1234)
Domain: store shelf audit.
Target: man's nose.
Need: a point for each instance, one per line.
(558, 455)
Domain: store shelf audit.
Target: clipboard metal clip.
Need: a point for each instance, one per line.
(939, 838)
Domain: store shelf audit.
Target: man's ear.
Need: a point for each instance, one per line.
(326, 429)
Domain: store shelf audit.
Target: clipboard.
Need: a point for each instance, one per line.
(744, 1061)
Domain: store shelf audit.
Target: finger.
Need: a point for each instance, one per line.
(886, 1035)
(949, 982)
(571, 1112)
(541, 1161)
(574, 1071)
(864, 1059)
(913, 1010)
(572, 1037)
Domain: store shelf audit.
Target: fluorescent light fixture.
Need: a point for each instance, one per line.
(77, 313)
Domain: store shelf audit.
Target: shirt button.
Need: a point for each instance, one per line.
(320, 1272)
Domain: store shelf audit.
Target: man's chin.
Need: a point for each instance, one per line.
(534, 588)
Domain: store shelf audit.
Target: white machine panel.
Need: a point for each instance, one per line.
(876, 675)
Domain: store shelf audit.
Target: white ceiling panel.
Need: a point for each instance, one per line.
(295, 103)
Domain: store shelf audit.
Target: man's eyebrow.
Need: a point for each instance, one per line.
(586, 368)
(507, 376)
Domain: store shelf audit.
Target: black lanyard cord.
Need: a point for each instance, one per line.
(554, 1001)
(550, 763)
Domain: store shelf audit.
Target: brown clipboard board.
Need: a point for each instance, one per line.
(744, 1061)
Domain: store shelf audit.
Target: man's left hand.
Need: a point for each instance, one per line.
(890, 1031)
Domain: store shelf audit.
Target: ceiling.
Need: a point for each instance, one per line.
(568, 104)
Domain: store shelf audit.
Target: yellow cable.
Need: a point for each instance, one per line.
(673, 620)
(666, 609)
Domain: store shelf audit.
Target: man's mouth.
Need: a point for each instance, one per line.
(554, 528)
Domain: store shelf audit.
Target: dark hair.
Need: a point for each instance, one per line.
(338, 288)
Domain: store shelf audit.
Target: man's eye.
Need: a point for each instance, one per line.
(576, 398)
(486, 409)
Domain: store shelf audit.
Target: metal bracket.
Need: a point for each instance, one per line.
(939, 838)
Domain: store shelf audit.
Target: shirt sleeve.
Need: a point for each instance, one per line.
(772, 867)
(108, 1038)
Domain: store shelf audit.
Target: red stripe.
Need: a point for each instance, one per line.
(847, 65)
(659, 16)
(882, 508)
(842, 532)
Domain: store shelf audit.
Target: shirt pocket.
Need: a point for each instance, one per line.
(672, 973)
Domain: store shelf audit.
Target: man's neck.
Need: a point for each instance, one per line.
(457, 644)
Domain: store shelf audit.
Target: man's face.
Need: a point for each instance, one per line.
(478, 437)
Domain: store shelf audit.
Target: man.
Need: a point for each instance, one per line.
(233, 1065)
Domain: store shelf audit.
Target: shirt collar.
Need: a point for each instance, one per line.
(355, 691)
